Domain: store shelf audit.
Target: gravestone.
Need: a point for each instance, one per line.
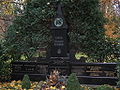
(60, 39)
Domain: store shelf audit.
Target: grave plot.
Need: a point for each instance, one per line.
(59, 58)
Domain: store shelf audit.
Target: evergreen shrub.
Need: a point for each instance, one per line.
(31, 30)
(26, 82)
(104, 87)
(73, 83)
(5, 70)
(118, 74)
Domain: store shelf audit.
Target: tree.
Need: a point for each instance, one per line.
(112, 13)
(8, 10)
(88, 31)
(7, 13)
(6, 7)
(30, 31)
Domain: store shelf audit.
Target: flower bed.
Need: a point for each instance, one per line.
(53, 82)
(17, 85)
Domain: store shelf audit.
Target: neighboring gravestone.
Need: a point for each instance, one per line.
(60, 39)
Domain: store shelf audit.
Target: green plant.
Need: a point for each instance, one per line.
(26, 82)
(5, 65)
(104, 87)
(30, 31)
(73, 82)
(118, 74)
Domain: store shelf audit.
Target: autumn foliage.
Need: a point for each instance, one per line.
(111, 12)
(26, 35)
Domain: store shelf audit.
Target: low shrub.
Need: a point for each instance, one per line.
(26, 82)
(104, 87)
(118, 74)
(73, 83)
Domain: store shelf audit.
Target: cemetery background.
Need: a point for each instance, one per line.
(15, 52)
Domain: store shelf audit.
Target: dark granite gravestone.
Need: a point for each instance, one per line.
(59, 30)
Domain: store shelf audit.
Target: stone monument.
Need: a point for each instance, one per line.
(59, 58)
(60, 39)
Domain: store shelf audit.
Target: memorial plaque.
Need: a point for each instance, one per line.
(95, 73)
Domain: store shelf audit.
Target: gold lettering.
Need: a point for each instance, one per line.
(110, 73)
(94, 68)
(94, 74)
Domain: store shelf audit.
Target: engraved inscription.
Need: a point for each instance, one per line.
(110, 73)
(29, 68)
(97, 71)
(17, 67)
(58, 37)
(42, 69)
(58, 41)
(79, 70)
